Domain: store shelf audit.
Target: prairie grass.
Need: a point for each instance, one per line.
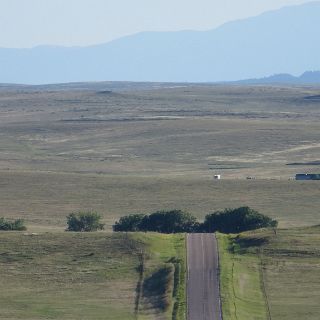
(67, 276)
(164, 274)
(44, 200)
(291, 261)
(65, 150)
(83, 276)
(240, 282)
(271, 275)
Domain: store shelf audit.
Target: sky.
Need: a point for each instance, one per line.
(30, 23)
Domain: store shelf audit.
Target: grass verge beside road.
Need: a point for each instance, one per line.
(291, 261)
(240, 277)
(164, 287)
(271, 275)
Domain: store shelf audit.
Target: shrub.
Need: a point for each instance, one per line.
(84, 222)
(236, 221)
(177, 221)
(129, 223)
(174, 221)
(16, 225)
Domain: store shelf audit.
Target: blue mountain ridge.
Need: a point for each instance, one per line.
(284, 41)
(308, 77)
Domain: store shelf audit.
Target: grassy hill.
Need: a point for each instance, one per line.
(89, 276)
(271, 276)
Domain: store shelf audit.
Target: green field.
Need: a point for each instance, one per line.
(271, 276)
(86, 276)
(98, 276)
(164, 289)
(240, 281)
(145, 147)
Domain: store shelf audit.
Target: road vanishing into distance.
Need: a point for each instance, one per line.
(203, 290)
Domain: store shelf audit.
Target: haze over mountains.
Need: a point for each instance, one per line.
(308, 77)
(278, 42)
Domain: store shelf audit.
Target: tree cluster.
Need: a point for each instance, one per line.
(84, 222)
(237, 220)
(177, 221)
(174, 221)
(16, 225)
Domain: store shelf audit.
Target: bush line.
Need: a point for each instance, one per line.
(178, 221)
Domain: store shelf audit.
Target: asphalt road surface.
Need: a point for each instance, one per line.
(203, 279)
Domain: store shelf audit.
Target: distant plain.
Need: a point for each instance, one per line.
(155, 146)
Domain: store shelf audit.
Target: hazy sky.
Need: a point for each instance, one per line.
(28, 23)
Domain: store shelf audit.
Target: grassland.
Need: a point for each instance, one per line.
(271, 276)
(240, 280)
(237, 131)
(164, 254)
(123, 148)
(63, 149)
(291, 261)
(67, 276)
(45, 199)
(83, 276)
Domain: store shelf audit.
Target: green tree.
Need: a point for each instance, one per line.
(129, 223)
(16, 225)
(237, 220)
(173, 221)
(84, 222)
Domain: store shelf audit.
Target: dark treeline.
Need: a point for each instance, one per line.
(177, 221)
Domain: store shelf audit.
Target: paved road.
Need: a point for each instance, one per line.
(203, 283)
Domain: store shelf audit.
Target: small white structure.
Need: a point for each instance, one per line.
(217, 177)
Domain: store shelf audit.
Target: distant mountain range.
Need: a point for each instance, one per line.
(308, 77)
(285, 41)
